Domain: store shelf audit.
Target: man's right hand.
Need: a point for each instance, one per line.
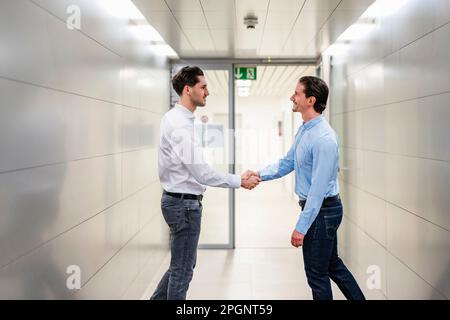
(250, 179)
(247, 174)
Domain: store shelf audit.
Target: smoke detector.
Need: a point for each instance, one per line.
(250, 21)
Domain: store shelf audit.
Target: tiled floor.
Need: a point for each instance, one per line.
(264, 265)
(265, 216)
(260, 273)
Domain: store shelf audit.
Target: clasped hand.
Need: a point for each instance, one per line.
(250, 179)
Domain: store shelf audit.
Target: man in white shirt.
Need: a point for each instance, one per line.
(184, 175)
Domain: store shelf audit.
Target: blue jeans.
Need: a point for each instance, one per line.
(320, 255)
(183, 217)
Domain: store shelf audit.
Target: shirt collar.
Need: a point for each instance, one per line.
(313, 122)
(185, 111)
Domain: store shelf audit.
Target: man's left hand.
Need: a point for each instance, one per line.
(297, 239)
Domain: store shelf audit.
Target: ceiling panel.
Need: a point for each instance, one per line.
(304, 32)
(218, 20)
(223, 40)
(222, 75)
(279, 73)
(149, 6)
(261, 83)
(261, 71)
(289, 84)
(272, 42)
(286, 5)
(218, 5)
(277, 19)
(294, 28)
(184, 5)
(190, 19)
(282, 86)
(214, 86)
(314, 15)
(251, 5)
(217, 81)
(278, 81)
(323, 5)
(200, 39)
(169, 29)
(346, 14)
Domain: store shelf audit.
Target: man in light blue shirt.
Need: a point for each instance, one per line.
(314, 157)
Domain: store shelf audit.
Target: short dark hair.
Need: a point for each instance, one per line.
(186, 76)
(316, 87)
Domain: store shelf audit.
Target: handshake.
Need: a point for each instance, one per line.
(250, 179)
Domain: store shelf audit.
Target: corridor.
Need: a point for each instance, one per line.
(84, 87)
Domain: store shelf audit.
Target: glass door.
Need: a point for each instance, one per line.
(214, 126)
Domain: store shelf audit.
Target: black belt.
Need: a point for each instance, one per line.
(325, 202)
(184, 195)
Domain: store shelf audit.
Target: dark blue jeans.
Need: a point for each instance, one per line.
(183, 217)
(320, 255)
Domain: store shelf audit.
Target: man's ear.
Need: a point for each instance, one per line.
(312, 100)
(187, 89)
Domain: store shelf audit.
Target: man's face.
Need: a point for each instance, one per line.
(299, 100)
(199, 92)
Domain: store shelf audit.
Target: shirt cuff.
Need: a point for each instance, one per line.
(300, 227)
(235, 181)
(261, 175)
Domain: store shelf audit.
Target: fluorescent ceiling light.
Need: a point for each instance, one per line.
(243, 91)
(364, 25)
(337, 49)
(164, 50)
(383, 8)
(146, 33)
(243, 83)
(124, 9)
(356, 31)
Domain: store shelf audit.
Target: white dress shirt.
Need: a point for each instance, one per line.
(182, 167)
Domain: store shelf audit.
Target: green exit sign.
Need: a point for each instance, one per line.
(245, 73)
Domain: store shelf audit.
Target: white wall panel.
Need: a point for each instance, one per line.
(395, 158)
(38, 204)
(420, 186)
(422, 246)
(137, 173)
(79, 126)
(404, 284)
(41, 126)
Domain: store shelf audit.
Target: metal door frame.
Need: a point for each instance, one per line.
(231, 126)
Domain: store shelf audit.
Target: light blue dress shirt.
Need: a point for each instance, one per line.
(315, 158)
